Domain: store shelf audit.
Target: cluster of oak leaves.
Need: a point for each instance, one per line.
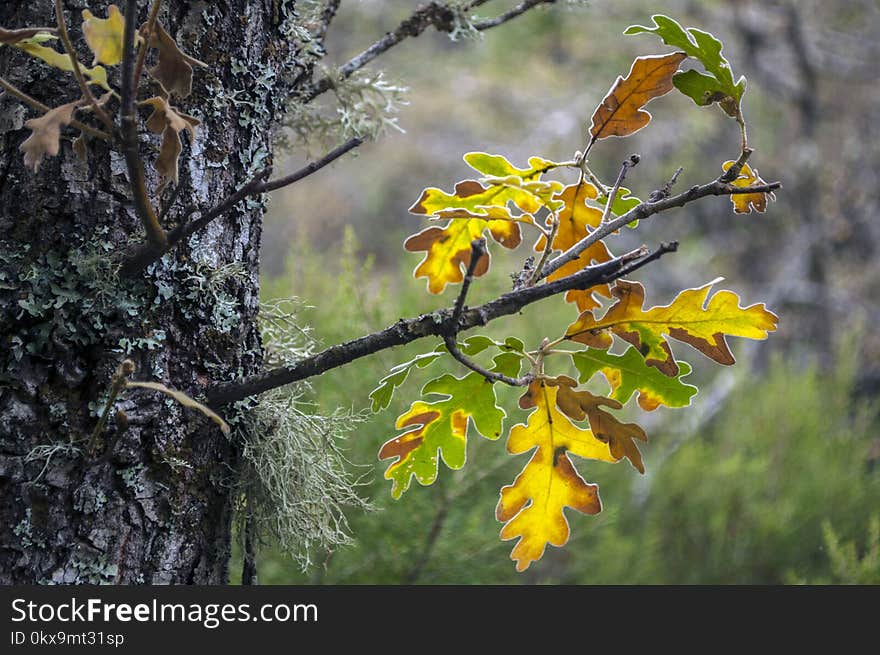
(172, 76)
(564, 420)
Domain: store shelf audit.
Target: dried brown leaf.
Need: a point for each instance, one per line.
(174, 71)
(169, 122)
(46, 134)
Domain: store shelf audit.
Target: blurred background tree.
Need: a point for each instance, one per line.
(771, 476)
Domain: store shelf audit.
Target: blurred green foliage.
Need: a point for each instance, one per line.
(767, 477)
(746, 496)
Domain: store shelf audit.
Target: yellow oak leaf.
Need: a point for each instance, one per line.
(576, 221)
(46, 134)
(61, 60)
(743, 203)
(169, 122)
(532, 508)
(621, 113)
(688, 318)
(174, 70)
(104, 35)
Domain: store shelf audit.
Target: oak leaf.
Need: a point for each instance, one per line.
(628, 374)
(442, 426)
(688, 318)
(532, 508)
(498, 166)
(621, 113)
(34, 46)
(46, 134)
(174, 70)
(719, 86)
(620, 437)
(104, 35)
(169, 122)
(743, 203)
(576, 220)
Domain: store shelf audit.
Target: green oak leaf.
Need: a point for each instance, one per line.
(628, 373)
(498, 166)
(382, 394)
(704, 47)
(442, 426)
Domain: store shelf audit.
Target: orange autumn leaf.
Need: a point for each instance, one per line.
(576, 221)
(621, 113)
(743, 203)
(688, 318)
(532, 508)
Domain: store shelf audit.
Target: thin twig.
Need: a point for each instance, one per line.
(142, 50)
(643, 210)
(156, 236)
(437, 14)
(406, 331)
(549, 237)
(147, 254)
(77, 72)
(510, 14)
(666, 190)
(117, 384)
(632, 161)
(478, 250)
(17, 93)
(733, 172)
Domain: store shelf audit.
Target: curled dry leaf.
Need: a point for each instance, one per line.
(11, 37)
(621, 113)
(46, 134)
(168, 122)
(104, 35)
(174, 71)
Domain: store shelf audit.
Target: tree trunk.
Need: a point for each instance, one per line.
(154, 503)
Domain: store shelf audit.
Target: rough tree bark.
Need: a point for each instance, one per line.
(155, 506)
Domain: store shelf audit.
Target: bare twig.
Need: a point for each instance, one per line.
(18, 94)
(147, 254)
(406, 331)
(666, 190)
(644, 210)
(77, 71)
(510, 14)
(629, 163)
(478, 250)
(156, 236)
(550, 237)
(117, 384)
(437, 14)
(142, 50)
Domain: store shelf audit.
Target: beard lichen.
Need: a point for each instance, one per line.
(296, 483)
